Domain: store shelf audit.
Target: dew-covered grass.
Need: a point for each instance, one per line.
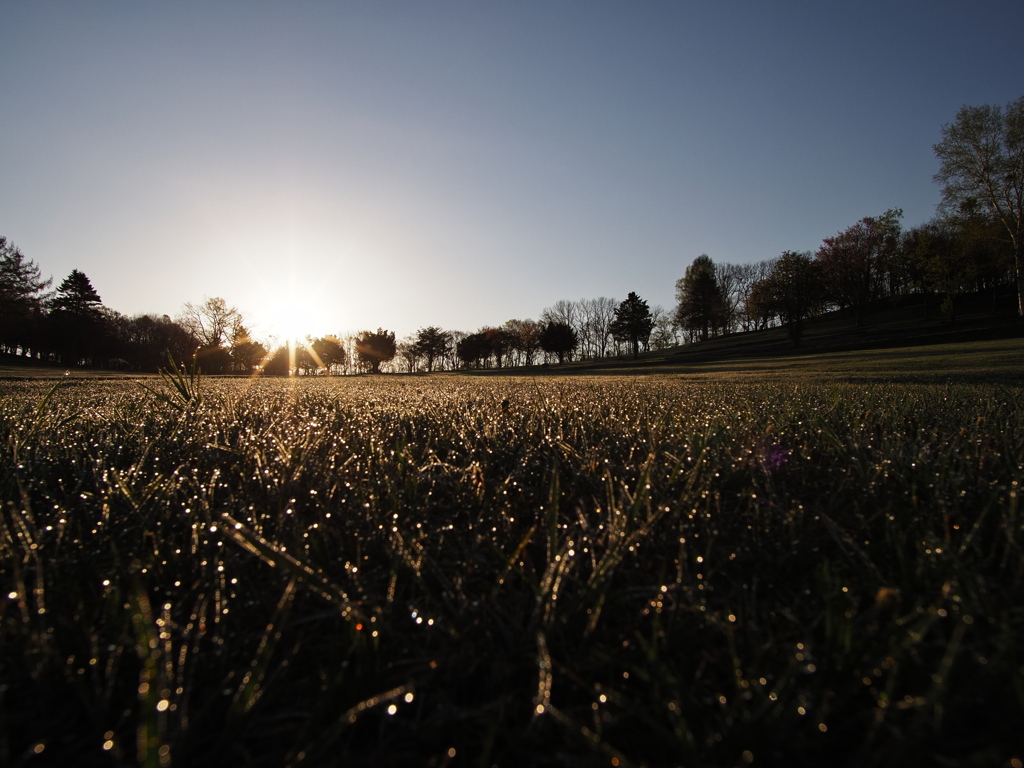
(629, 571)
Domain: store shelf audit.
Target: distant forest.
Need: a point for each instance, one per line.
(973, 244)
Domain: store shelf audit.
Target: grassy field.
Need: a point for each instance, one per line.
(777, 565)
(999, 360)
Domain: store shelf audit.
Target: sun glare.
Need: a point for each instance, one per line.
(290, 297)
(290, 319)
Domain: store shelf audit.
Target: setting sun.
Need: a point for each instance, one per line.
(289, 319)
(291, 307)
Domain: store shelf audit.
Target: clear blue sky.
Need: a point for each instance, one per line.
(401, 164)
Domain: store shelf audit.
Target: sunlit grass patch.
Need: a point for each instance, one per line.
(531, 571)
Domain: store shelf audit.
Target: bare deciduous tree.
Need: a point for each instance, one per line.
(598, 315)
(525, 336)
(981, 158)
(663, 335)
(211, 323)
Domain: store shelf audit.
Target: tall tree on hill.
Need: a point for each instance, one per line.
(981, 158)
(633, 323)
(701, 302)
(21, 300)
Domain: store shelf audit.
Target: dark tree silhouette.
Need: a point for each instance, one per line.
(500, 343)
(559, 339)
(78, 330)
(760, 304)
(981, 158)
(246, 353)
(330, 351)
(596, 316)
(76, 295)
(854, 261)
(633, 323)
(936, 264)
(525, 336)
(374, 349)
(214, 360)
(473, 349)
(796, 291)
(21, 300)
(407, 353)
(212, 322)
(701, 301)
(146, 340)
(279, 362)
(304, 360)
(431, 344)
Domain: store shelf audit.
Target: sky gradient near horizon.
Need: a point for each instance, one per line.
(401, 164)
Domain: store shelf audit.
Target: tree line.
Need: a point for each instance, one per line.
(869, 265)
(972, 245)
(70, 326)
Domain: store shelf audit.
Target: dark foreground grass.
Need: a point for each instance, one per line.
(512, 572)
